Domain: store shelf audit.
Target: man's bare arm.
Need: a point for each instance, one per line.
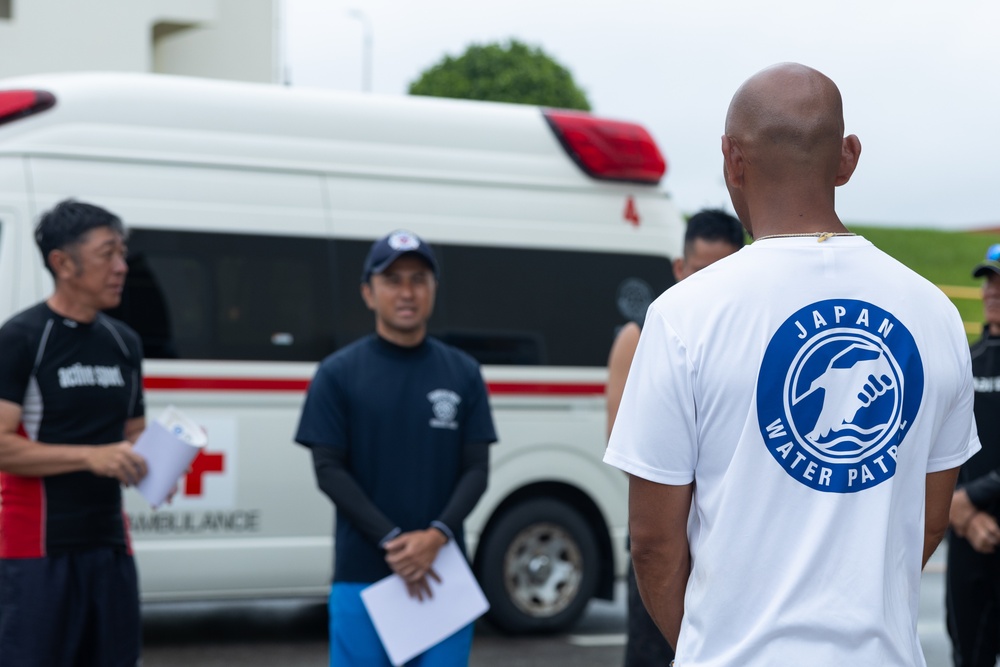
(619, 362)
(939, 488)
(21, 456)
(658, 516)
(134, 428)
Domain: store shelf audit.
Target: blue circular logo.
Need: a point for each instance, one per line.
(839, 386)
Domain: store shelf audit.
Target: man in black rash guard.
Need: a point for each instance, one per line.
(399, 427)
(973, 577)
(71, 405)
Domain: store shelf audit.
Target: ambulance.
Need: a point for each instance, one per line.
(251, 208)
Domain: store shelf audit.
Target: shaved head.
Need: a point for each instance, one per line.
(788, 117)
(784, 151)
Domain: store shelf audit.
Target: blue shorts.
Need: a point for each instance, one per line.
(79, 608)
(354, 641)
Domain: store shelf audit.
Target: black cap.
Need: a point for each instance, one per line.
(389, 248)
(990, 263)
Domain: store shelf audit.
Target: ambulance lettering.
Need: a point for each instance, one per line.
(167, 523)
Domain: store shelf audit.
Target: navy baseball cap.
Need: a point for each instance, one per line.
(990, 263)
(389, 248)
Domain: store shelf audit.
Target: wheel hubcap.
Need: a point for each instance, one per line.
(543, 568)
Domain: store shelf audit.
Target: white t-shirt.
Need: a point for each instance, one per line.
(806, 389)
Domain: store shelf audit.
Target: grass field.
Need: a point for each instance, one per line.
(945, 258)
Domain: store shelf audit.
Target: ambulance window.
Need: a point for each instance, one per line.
(514, 306)
(354, 320)
(5, 9)
(163, 303)
(542, 307)
(229, 296)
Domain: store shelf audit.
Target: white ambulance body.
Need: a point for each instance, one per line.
(251, 208)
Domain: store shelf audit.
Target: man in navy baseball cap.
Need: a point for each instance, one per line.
(399, 427)
(389, 248)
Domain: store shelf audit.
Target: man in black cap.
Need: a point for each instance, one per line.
(399, 427)
(973, 579)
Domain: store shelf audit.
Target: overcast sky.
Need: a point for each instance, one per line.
(920, 79)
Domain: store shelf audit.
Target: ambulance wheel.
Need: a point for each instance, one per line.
(538, 567)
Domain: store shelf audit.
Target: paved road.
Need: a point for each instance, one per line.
(292, 634)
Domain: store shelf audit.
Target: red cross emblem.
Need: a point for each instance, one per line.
(205, 462)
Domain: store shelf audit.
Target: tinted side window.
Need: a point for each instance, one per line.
(229, 296)
(524, 307)
(556, 308)
(246, 297)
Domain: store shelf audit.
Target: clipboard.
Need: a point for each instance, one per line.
(408, 626)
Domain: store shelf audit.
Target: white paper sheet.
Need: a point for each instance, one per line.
(169, 445)
(407, 626)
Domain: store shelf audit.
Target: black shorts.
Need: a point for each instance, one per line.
(70, 610)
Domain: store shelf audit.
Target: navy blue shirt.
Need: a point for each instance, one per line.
(403, 416)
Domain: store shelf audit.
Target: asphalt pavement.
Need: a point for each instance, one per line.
(292, 633)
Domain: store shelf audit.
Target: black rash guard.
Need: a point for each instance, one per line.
(980, 476)
(335, 481)
(77, 383)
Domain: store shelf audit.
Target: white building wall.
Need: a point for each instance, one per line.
(64, 35)
(240, 42)
(229, 39)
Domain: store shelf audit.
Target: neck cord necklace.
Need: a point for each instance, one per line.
(819, 236)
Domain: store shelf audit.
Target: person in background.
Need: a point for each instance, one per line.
(710, 236)
(71, 405)
(399, 427)
(972, 584)
(795, 415)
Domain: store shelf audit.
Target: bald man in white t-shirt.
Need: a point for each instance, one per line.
(794, 417)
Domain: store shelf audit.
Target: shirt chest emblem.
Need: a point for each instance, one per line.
(79, 375)
(444, 407)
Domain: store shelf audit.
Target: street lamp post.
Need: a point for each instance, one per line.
(366, 48)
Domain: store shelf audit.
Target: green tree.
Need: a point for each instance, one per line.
(512, 72)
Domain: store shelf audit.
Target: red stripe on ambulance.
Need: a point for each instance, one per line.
(161, 383)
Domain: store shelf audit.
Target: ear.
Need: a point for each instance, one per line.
(850, 151)
(62, 264)
(679, 273)
(733, 163)
(368, 296)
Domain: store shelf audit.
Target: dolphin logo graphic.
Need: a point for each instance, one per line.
(854, 379)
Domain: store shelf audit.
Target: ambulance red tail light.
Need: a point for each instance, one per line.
(608, 149)
(16, 104)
